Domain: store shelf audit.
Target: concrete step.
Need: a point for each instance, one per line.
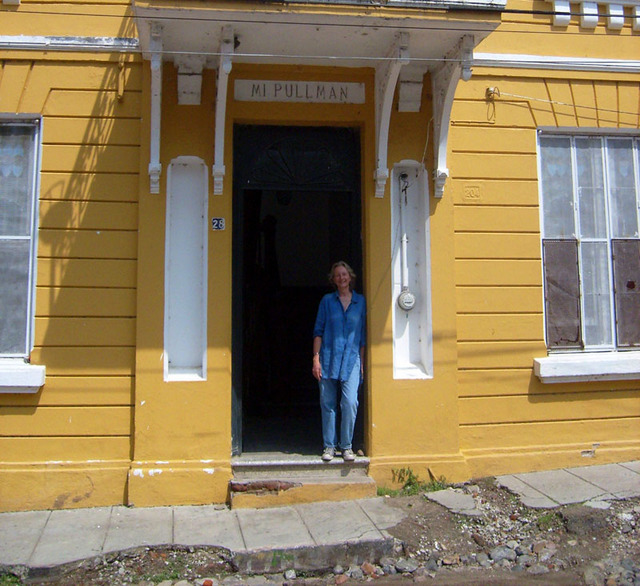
(272, 480)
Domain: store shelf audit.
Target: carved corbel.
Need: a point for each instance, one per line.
(224, 68)
(155, 168)
(190, 79)
(386, 78)
(457, 65)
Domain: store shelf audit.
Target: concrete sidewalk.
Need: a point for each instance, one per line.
(303, 537)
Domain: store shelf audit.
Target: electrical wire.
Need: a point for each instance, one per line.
(558, 103)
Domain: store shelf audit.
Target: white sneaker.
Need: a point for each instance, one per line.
(327, 454)
(348, 455)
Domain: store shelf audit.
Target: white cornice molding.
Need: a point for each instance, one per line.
(590, 16)
(93, 44)
(556, 63)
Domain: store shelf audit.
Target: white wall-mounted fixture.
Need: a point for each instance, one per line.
(185, 303)
(412, 330)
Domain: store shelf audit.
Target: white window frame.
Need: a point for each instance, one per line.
(17, 375)
(592, 363)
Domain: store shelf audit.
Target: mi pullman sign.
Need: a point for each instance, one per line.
(326, 92)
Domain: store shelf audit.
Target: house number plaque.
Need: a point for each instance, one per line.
(217, 223)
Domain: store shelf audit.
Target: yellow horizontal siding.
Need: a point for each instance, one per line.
(482, 139)
(497, 382)
(90, 361)
(77, 390)
(85, 186)
(88, 215)
(506, 246)
(85, 331)
(100, 243)
(63, 449)
(556, 407)
(494, 192)
(86, 273)
(472, 355)
(498, 272)
(518, 435)
(92, 131)
(65, 421)
(488, 165)
(496, 327)
(499, 299)
(85, 301)
(103, 104)
(90, 158)
(506, 219)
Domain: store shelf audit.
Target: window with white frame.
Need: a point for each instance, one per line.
(590, 191)
(19, 153)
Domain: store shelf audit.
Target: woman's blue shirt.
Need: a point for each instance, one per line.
(343, 333)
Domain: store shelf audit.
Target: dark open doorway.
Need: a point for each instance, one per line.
(296, 211)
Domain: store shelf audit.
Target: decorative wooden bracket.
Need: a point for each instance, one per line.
(224, 68)
(386, 78)
(155, 168)
(457, 65)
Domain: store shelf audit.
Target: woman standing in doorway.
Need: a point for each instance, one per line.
(338, 352)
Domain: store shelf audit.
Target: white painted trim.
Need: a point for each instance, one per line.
(50, 43)
(18, 376)
(185, 284)
(412, 329)
(555, 62)
(588, 366)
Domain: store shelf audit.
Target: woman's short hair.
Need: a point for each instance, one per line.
(351, 272)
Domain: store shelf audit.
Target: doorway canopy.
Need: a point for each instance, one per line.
(402, 40)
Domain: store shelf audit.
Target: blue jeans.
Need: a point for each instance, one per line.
(348, 408)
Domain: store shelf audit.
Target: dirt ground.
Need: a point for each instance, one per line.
(574, 544)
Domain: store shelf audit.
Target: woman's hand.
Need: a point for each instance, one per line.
(317, 369)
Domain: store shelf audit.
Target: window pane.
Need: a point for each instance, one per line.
(591, 199)
(557, 187)
(624, 207)
(626, 272)
(562, 293)
(16, 173)
(14, 295)
(596, 291)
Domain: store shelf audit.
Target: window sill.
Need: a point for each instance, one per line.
(17, 376)
(584, 367)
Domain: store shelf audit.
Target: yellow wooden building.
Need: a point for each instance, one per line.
(177, 177)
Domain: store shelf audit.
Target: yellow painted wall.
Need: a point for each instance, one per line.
(107, 429)
(509, 420)
(69, 445)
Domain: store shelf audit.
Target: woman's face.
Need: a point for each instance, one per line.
(341, 277)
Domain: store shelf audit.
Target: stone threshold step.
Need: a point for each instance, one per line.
(304, 467)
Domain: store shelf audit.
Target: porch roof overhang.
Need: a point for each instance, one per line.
(402, 40)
